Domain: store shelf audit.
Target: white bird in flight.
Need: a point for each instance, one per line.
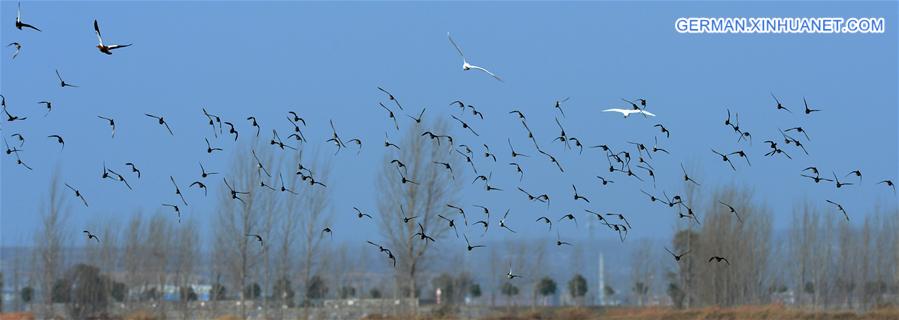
(468, 66)
(627, 112)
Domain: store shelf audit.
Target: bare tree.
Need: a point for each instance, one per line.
(642, 270)
(426, 197)
(244, 213)
(51, 236)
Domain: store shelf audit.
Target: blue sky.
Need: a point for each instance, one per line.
(325, 60)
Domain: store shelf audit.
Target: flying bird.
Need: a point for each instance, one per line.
(77, 194)
(627, 112)
(779, 105)
(63, 83)
(58, 140)
(258, 238)
(732, 210)
(19, 23)
(177, 190)
(133, 169)
(18, 48)
(91, 236)
(467, 66)
(111, 123)
(161, 122)
(391, 97)
(107, 49)
(677, 257)
(469, 246)
(839, 207)
(807, 109)
(719, 259)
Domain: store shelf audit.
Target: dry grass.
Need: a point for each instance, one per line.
(17, 316)
(663, 313)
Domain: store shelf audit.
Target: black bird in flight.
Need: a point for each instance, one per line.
(177, 190)
(18, 48)
(725, 159)
(296, 118)
(91, 236)
(514, 154)
(121, 179)
(547, 221)
(328, 231)
(234, 193)
(107, 49)
(799, 130)
(19, 160)
(447, 166)
(569, 217)
(577, 196)
(620, 217)
(58, 140)
(553, 160)
(405, 218)
(857, 173)
(111, 123)
(488, 154)
(558, 106)
(604, 181)
(518, 113)
(838, 183)
(518, 170)
(284, 187)
(502, 222)
(807, 109)
(177, 210)
(732, 210)
(469, 246)
(19, 23)
(133, 169)
(664, 130)
(391, 97)
(258, 238)
(232, 130)
(719, 259)
(276, 141)
(209, 148)
(77, 194)
(511, 275)
(201, 186)
(404, 179)
(421, 234)
(390, 115)
(741, 154)
(779, 105)
(817, 178)
(465, 125)
(162, 122)
(418, 120)
(259, 165)
(687, 177)
(11, 118)
(839, 207)
(677, 257)
(48, 105)
(890, 184)
(461, 211)
(360, 214)
(452, 224)
(253, 123)
(63, 83)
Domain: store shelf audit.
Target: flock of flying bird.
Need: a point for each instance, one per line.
(634, 161)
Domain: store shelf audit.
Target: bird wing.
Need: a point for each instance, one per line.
(455, 45)
(647, 113)
(97, 29)
(488, 72)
